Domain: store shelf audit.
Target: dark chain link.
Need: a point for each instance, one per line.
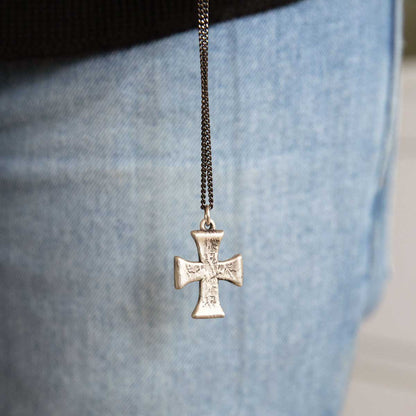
(206, 157)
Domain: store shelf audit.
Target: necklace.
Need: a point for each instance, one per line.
(208, 270)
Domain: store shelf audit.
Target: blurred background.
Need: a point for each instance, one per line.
(384, 377)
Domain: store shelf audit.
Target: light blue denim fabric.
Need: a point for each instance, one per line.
(99, 188)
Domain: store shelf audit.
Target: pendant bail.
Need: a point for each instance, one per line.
(207, 223)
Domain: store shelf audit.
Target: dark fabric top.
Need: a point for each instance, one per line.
(42, 28)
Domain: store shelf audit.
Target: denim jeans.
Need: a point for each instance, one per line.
(99, 188)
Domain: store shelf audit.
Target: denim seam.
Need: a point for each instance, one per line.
(386, 164)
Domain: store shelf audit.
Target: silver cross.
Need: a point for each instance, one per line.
(208, 270)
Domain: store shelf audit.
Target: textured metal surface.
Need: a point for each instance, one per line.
(208, 270)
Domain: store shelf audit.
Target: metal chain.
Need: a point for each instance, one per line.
(207, 189)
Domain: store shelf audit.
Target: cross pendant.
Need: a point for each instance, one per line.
(208, 270)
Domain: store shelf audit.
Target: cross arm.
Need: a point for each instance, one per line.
(232, 270)
(186, 272)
